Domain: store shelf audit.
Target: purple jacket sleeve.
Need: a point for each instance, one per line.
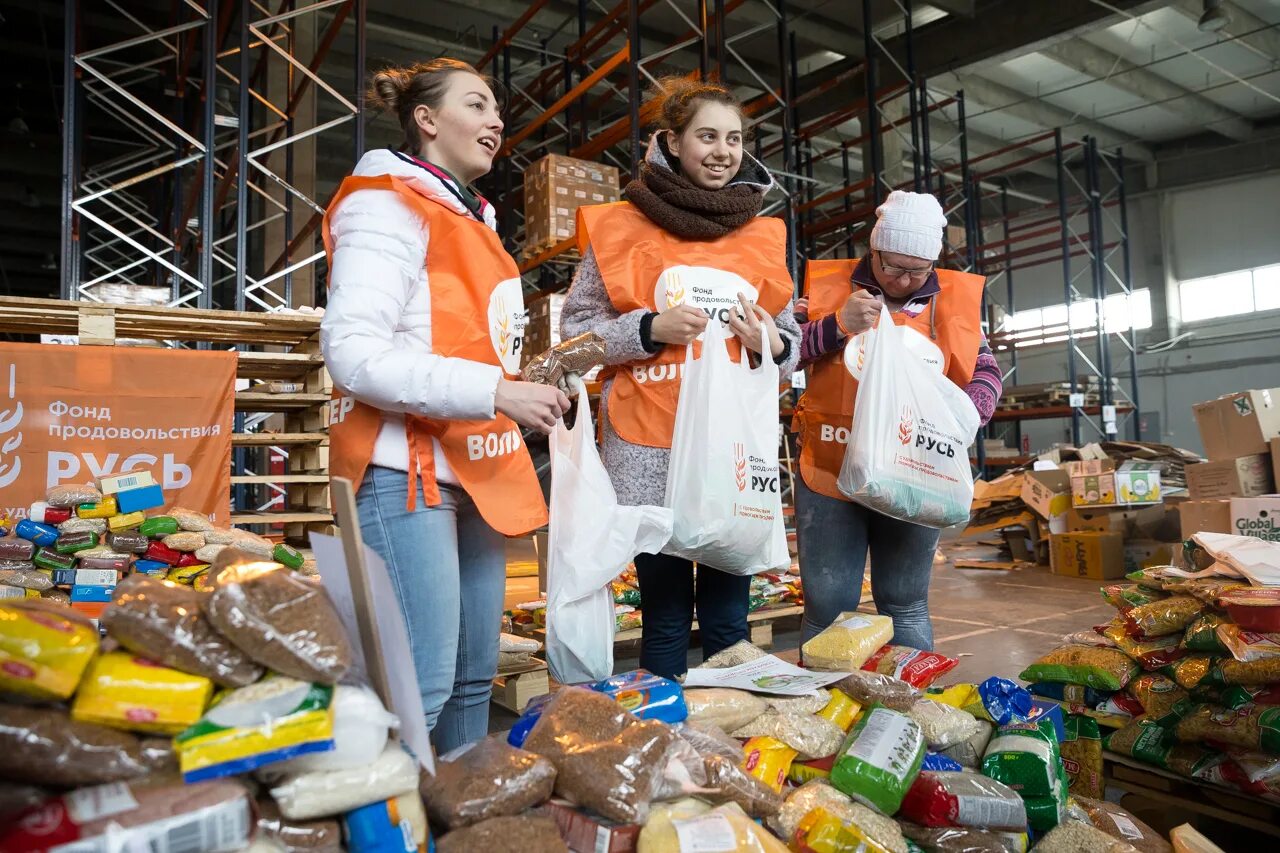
(987, 383)
(819, 337)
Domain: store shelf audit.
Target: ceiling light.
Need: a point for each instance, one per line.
(1214, 18)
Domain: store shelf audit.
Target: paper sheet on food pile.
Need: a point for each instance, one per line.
(1256, 560)
(768, 674)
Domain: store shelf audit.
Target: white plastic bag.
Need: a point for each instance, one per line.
(591, 540)
(723, 482)
(908, 449)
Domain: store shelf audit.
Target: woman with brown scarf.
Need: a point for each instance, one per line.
(686, 248)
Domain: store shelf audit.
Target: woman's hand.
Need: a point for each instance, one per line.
(859, 312)
(530, 404)
(678, 325)
(746, 325)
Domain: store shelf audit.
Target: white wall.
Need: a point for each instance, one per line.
(1208, 229)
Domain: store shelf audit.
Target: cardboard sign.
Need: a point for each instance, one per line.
(76, 414)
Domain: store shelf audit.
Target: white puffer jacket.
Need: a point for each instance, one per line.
(376, 332)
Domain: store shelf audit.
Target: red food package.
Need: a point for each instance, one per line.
(963, 799)
(162, 553)
(917, 668)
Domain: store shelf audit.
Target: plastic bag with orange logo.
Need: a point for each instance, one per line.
(908, 452)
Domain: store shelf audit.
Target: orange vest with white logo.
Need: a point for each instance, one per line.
(477, 313)
(825, 412)
(645, 267)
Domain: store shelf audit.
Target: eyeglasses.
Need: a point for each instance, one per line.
(916, 273)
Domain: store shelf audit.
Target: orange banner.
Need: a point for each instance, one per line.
(73, 414)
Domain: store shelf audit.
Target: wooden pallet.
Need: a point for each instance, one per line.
(274, 348)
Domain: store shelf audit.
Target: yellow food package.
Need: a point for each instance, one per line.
(962, 696)
(124, 691)
(822, 832)
(44, 649)
(807, 771)
(841, 710)
(848, 643)
(186, 574)
(768, 760)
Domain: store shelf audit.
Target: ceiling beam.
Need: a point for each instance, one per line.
(1028, 108)
(1103, 65)
(1262, 38)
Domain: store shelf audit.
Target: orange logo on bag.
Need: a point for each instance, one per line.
(504, 328)
(675, 290)
(740, 467)
(906, 426)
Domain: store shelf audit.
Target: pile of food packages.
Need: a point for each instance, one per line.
(768, 589)
(75, 546)
(1186, 677)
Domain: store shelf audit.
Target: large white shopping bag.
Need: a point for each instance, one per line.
(592, 539)
(908, 451)
(722, 484)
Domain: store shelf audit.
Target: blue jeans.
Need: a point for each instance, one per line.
(668, 597)
(834, 537)
(448, 568)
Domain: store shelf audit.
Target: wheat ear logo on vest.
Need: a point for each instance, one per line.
(507, 321)
(714, 291)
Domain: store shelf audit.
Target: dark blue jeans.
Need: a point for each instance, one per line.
(834, 538)
(668, 597)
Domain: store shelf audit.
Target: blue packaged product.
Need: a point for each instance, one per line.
(139, 499)
(1074, 694)
(1042, 708)
(938, 763)
(528, 719)
(1005, 701)
(155, 568)
(648, 696)
(380, 828)
(84, 593)
(43, 535)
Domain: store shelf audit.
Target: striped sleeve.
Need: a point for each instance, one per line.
(987, 383)
(819, 337)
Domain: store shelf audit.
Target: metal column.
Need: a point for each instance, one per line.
(633, 83)
(876, 165)
(1010, 304)
(1066, 278)
(204, 241)
(1128, 288)
(361, 62)
(242, 167)
(786, 72)
(70, 266)
(1097, 267)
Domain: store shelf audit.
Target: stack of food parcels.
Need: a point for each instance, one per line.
(224, 719)
(1186, 677)
(768, 589)
(78, 543)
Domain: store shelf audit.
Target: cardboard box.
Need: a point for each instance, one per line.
(1142, 554)
(1160, 523)
(1048, 494)
(584, 833)
(1257, 517)
(1093, 554)
(1205, 517)
(1275, 460)
(554, 188)
(1138, 482)
(1245, 477)
(1239, 424)
(1093, 489)
(1086, 467)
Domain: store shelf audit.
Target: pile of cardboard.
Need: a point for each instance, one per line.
(554, 188)
(1234, 492)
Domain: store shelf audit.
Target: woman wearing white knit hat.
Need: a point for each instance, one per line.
(844, 297)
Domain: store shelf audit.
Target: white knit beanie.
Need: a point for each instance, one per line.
(909, 224)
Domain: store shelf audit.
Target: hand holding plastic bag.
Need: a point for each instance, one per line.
(592, 539)
(908, 449)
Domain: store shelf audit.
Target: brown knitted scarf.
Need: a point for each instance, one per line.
(678, 205)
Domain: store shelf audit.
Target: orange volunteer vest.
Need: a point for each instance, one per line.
(477, 310)
(644, 266)
(825, 410)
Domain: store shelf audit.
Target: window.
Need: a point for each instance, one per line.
(1230, 294)
(1037, 326)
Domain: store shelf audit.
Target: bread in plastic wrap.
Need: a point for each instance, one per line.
(44, 746)
(281, 620)
(810, 736)
(164, 621)
(526, 833)
(325, 793)
(848, 642)
(820, 794)
(723, 707)
(484, 780)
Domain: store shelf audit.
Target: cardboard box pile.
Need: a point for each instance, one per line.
(554, 188)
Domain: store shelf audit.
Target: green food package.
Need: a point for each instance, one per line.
(1252, 727)
(880, 759)
(1235, 696)
(1158, 695)
(1147, 579)
(1202, 635)
(1044, 813)
(1103, 669)
(1126, 596)
(1192, 671)
(1154, 744)
(1025, 757)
